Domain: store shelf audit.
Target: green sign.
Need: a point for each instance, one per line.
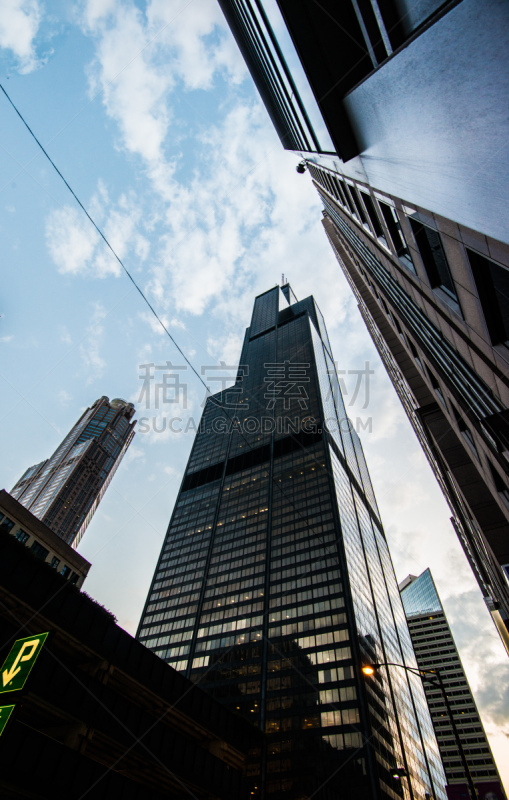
(16, 667)
(5, 713)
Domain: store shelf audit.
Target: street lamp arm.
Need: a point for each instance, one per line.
(370, 669)
(421, 673)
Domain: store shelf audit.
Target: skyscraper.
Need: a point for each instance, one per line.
(369, 96)
(65, 490)
(275, 584)
(435, 650)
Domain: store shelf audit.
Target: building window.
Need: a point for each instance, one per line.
(398, 327)
(436, 386)
(21, 536)
(357, 206)
(465, 431)
(396, 234)
(492, 282)
(340, 192)
(385, 307)
(7, 525)
(373, 216)
(435, 263)
(54, 562)
(65, 571)
(38, 550)
(500, 484)
(415, 354)
(74, 578)
(349, 202)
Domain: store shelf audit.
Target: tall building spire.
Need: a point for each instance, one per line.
(65, 490)
(275, 583)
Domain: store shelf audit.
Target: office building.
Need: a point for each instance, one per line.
(65, 490)
(89, 712)
(435, 650)
(369, 95)
(16, 521)
(275, 584)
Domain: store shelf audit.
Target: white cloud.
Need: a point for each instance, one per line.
(65, 336)
(63, 397)
(133, 91)
(19, 23)
(5, 339)
(77, 248)
(90, 348)
(141, 58)
(70, 243)
(183, 28)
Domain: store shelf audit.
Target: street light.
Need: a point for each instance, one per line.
(370, 669)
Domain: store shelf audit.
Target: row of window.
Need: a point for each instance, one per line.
(368, 211)
(466, 433)
(491, 278)
(6, 526)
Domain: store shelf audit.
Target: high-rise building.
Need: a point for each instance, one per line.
(65, 490)
(369, 96)
(417, 292)
(435, 649)
(275, 584)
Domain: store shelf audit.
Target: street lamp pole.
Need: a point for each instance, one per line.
(370, 669)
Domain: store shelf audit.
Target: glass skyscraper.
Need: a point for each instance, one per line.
(435, 649)
(65, 490)
(368, 95)
(275, 584)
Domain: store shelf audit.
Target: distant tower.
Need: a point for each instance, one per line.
(435, 649)
(65, 490)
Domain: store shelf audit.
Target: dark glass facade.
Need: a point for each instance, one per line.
(65, 490)
(275, 582)
(425, 247)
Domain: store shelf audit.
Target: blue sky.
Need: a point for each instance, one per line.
(149, 112)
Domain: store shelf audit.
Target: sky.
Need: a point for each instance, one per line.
(149, 112)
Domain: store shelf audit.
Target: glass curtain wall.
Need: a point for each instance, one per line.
(275, 583)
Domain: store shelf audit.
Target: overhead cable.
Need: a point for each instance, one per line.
(103, 237)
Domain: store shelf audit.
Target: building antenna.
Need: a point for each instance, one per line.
(283, 279)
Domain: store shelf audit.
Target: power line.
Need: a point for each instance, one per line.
(103, 237)
(105, 240)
